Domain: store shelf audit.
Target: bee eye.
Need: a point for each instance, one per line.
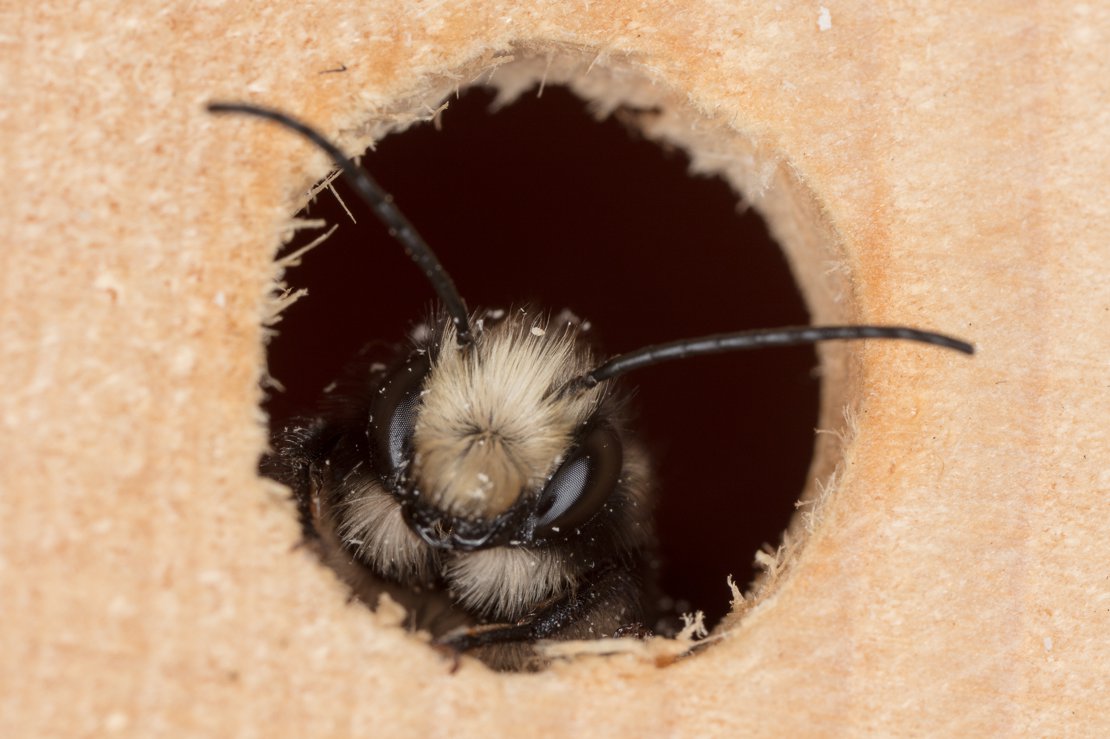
(393, 414)
(582, 483)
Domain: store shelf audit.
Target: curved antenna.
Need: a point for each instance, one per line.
(792, 336)
(382, 205)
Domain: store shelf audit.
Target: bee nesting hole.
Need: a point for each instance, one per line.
(543, 204)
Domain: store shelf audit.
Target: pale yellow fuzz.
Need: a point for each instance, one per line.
(493, 423)
(508, 581)
(369, 522)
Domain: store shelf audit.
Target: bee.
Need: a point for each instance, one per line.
(486, 475)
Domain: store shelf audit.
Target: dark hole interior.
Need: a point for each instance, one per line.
(540, 202)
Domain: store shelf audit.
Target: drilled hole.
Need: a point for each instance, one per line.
(542, 203)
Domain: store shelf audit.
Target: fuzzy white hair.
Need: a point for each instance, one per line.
(508, 582)
(493, 422)
(369, 522)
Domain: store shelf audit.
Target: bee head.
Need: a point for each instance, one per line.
(480, 444)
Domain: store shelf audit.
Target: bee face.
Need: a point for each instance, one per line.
(485, 445)
(473, 472)
(491, 422)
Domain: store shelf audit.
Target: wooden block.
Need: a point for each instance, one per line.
(919, 163)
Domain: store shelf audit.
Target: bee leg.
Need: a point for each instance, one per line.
(602, 607)
(296, 463)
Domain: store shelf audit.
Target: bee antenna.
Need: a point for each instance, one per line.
(792, 336)
(382, 205)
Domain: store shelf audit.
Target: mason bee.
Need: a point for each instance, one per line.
(485, 474)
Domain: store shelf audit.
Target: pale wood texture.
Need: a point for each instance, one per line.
(950, 163)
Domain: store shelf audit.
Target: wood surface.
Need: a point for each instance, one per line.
(921, 163)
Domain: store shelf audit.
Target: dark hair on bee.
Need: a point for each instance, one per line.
(486, 476)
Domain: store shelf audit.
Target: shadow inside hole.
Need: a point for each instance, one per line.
(541, 203)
